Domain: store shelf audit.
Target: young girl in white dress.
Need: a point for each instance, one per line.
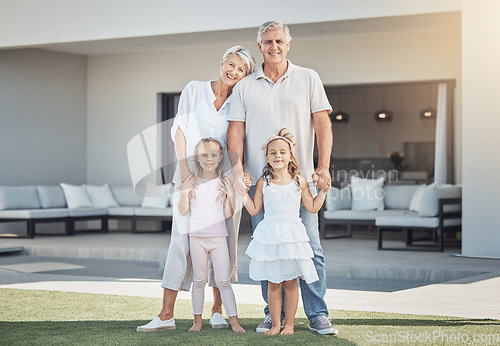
(280, 250)
(207, 228)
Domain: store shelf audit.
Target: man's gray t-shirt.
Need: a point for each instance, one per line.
(267, 107)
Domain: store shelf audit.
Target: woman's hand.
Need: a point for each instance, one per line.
(225, 190)
(188, 185)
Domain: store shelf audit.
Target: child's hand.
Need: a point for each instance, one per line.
(325, 188)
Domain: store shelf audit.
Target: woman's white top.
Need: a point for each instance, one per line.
(197, 118)
(207, 215)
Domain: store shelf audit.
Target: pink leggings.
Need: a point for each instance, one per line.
(216, 248)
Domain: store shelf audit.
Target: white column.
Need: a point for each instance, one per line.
(481, 127)
(440, 144)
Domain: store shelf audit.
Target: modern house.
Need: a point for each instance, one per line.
(80, 78)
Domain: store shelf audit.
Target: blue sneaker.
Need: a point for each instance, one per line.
(266, 325)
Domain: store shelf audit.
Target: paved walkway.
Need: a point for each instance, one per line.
(360, 277)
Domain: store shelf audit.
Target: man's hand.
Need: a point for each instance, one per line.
(322, 179)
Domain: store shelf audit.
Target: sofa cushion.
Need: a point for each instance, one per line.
(416, 199)
(432, 192)
(121, 211)
(157, 196)
(34, 213)
(153, 211)
(101, 196)
(338, 199)
(367, 194)
(398, 196)
(410, 220)
(51, 197)
(126, 196)
(362, 215)
(18, 197)
(80, 212)
(76, 196)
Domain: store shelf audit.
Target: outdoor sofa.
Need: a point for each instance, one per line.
(435, 208)
(69, 204)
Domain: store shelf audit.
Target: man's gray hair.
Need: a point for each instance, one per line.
(244, 54)
(273, 25)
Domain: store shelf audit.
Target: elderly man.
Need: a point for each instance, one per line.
(280, 94)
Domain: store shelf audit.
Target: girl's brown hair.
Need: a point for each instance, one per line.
(293, 167)
(197, 167)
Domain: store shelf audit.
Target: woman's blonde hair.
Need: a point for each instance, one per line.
(293, 166)
(244, 54)
(197, 167)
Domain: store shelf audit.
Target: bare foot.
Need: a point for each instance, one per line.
(235, 325)
(196, 327)
(273, 331)
(287, 330)
(238, 329)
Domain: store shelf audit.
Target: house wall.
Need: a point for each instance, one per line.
(43, 112)
(481, 121)
(30, 22)
(123, 88)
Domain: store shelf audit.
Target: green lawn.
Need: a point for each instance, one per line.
(29, 317)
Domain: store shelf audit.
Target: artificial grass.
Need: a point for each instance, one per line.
(31, 317)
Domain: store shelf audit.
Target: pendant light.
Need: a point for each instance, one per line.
(384, 114)
(429, 112)
(340, 116)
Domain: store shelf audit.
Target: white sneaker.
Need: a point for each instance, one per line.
(157, 324)
(217, 321)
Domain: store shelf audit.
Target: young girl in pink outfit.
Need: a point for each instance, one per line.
(207, 228)
(280, 250)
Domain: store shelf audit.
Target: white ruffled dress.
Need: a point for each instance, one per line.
(279, 249)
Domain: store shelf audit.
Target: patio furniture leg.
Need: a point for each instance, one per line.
(70, 227)
(441, 239)
(409, 236)
(104, 224)
(379, 238)
(31, 229)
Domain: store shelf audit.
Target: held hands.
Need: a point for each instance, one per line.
(322, 179)
(241, 182)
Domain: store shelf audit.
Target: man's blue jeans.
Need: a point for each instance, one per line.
(312, 294)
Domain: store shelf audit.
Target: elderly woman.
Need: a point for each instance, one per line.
(202, 112)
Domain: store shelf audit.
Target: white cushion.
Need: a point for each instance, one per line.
(76, 196)
(157, 196)
(101, 196)
(18, 197)
(51, 197)
(367, 194)
(416, 199)
(338, 199)
(398, 196)
(126, 196)
(432, 193)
